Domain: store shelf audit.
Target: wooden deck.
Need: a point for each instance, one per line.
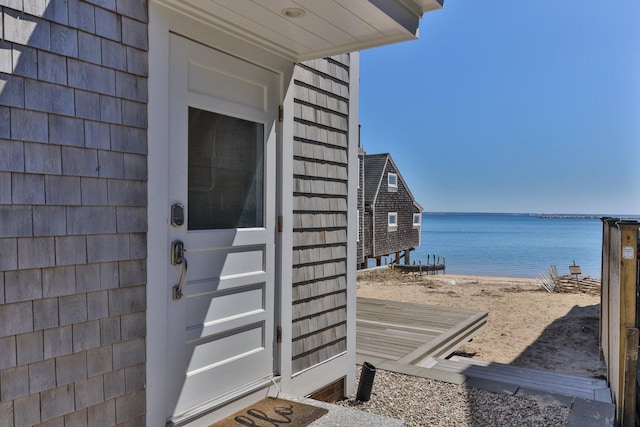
(408, 333)
(415, 339)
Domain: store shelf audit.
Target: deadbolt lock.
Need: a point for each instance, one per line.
(177, 214)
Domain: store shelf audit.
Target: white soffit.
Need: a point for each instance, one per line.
(428, 5)
(324, 27)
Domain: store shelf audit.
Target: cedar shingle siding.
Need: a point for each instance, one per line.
(73, 198)
(320, 210)
(380, 240)
(361, 237)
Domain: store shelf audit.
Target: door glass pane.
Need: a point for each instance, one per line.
(226, 184)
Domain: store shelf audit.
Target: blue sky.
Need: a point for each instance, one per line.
(512, 106)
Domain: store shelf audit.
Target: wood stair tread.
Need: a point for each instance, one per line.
(536, 379)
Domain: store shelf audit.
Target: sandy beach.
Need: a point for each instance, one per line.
(527, 326)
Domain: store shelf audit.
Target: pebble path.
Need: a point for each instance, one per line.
(425, 402)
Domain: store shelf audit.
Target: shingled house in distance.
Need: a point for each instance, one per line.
(392, 218)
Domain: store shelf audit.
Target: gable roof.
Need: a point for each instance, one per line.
(374, 167)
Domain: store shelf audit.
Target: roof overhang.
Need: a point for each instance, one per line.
(299, 30)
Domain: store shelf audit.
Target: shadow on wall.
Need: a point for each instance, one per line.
(24, 53)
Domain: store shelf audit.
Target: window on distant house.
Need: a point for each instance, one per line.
(416, 219)
(392, 181)
(393, 221)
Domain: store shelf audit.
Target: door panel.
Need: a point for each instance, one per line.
(227, 283)
(222, 169)
(220, 82)
(222, 307)
(224, 348)
(221, 263)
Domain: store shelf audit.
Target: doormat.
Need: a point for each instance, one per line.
(271, 412)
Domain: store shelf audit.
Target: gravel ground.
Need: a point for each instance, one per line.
(425, 402)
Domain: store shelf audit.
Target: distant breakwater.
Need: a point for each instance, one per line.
(546, 216)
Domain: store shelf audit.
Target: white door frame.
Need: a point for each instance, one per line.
(163, 19)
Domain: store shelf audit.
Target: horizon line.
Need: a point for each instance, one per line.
(590, 215)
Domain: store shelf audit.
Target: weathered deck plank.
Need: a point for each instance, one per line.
(415, 339)
(409, 332)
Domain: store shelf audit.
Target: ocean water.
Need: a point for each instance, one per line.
(511, 244)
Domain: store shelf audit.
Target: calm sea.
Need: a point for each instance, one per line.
(511, 245)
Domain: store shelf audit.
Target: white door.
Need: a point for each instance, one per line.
(222, 136)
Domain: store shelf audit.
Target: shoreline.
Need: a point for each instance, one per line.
(480, 277)
(459, 278)
(466, 277)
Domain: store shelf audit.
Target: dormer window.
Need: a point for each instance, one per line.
(392, 182)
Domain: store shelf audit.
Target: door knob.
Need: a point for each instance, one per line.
(178, 258)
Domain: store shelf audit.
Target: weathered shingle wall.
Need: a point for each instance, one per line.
(361, 233)
(405, 236)
(320, 210)
(367, 244)
(73, 120)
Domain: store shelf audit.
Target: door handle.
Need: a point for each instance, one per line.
(178, 258)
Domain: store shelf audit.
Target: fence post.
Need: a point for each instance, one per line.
(623, 260)
(604, 293)
(606, 317)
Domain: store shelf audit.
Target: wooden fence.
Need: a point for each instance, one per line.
(618, 311)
